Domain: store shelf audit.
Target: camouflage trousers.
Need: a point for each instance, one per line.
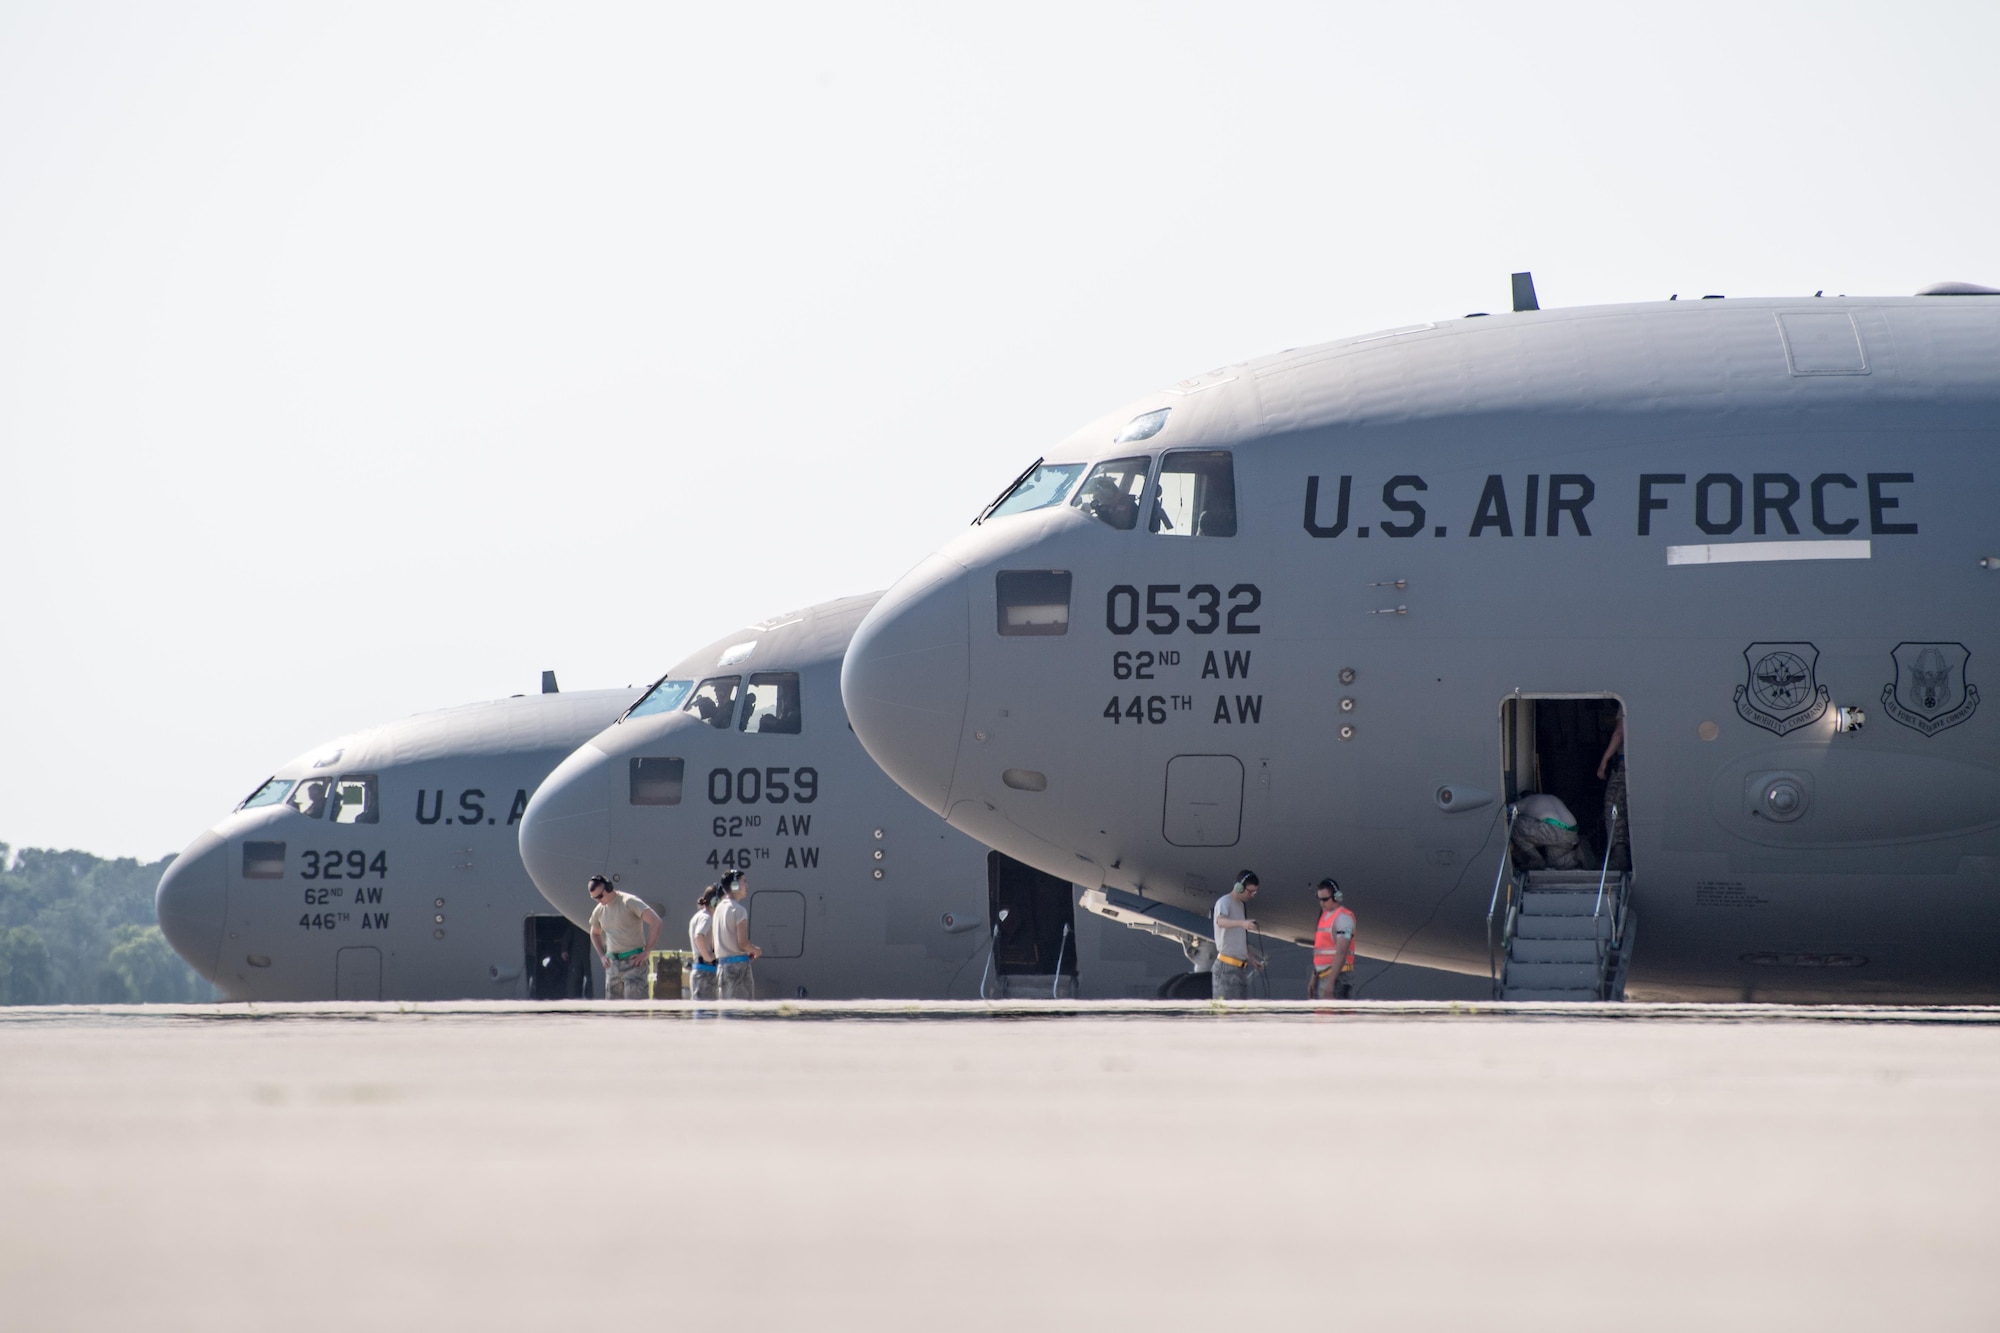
(1326, 984)
(733, 982)
(701, 985)
(1227, 981)
(625, 978)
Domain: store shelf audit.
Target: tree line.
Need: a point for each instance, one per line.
(79, 929)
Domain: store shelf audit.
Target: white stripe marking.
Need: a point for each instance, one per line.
(1738, 553)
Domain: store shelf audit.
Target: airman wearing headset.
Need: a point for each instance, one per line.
(1229, 974)
(1333, 946)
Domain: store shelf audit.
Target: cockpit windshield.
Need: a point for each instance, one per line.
(664, 697)
(1039, 487)
(1111, 493)
(714, 701)
(272, 792)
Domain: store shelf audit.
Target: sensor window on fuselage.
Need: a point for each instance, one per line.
(774, 703)
(309, 798)
(664, 697)
(1045, 484)
(263, 860)
(714, 701)
(1032, 601)
(355, 799)
(1111, 493)
(657, 781)
(1196, 495)
(272, 792)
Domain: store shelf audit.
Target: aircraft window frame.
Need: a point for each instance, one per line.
(751, 710)
(264, 796)
(317, 791)
(261, 855)
(1096, 502)
(1031, 603)
(1216, 515)
(647, 707)
(1023, 486)
(661, 778)
(371, 799)
(720, 721)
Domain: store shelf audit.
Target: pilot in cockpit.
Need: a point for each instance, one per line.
(1108, 503)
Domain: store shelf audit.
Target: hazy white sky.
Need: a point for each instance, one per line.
(358, 360)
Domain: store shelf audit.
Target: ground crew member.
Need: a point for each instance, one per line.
(1333, 946)
(733, 949)
(701, 939)
(1229, 974)
(622, 930)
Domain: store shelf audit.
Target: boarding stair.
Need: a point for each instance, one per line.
(1564, 935)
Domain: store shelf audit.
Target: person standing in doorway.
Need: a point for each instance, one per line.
(701, 939)
(1333, 946)
(733, 950)
(623, 929)
(1229, 974)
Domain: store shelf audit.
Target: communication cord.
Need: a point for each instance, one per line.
(992, 944)
(1439, 905)
(1055, 987)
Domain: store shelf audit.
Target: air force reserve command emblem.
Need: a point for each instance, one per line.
(1930, 692)
(1781, 694)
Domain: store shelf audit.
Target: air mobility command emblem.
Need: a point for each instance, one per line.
(1781, 694)
(1930, 692)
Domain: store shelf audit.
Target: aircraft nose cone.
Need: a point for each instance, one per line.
(906, 678)
(192, 901)
(566, 829)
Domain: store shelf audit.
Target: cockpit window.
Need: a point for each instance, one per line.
(354, 799)
(1143, 427)
(1111, 493)
(309, 797)
(657, 781)
(774, 703)
(1039, 487)
(263, 860)
(664, 697)
(1196, 495)
(714, 701)
(1032, 601)
(272, 792)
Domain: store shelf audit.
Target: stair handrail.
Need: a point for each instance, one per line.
(1606, 868)
(1493, 905)
(1599, 936)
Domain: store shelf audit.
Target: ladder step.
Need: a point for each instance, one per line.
(1552, 976)
(1559, 903)
(1560, 927)
(1554, 951)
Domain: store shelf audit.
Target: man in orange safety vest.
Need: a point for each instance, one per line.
(1333, 946)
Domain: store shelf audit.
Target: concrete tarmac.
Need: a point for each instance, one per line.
(1406, 1167)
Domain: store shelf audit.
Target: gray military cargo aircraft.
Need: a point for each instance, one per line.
(741, 758)
(383, 865)
(1342, 609)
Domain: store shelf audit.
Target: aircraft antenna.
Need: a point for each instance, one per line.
(549, 682)
(1524, 292)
